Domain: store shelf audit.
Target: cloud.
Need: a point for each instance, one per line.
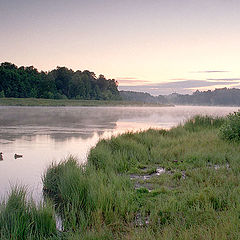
(224, 79)
(179, 79)
(211, 71)
(126, 78)
(191, 83)
(186, 86)
(131, 80)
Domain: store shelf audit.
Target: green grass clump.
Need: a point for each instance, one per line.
(231, 128)
(88, 198)
(22, 219)
(199, 122)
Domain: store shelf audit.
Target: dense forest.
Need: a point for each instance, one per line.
(60, 83)
(223, 97)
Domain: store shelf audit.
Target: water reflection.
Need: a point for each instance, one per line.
(46, 134)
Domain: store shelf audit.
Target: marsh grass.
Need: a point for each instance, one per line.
(101, 199)
(23, 219)
(197, 197)
(89, 198)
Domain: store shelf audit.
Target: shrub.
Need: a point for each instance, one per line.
(230, 130)
(2, 94)
(59, 96)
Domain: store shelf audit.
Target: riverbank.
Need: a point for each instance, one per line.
(69, 102)
(178, 184)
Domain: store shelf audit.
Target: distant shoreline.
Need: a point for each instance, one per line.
(73, 103)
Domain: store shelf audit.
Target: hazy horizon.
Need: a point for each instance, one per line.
(153, 46)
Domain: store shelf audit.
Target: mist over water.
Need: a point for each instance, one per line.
(46, 134)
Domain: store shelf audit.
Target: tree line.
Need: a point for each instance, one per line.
(60, 83)
(221, 96)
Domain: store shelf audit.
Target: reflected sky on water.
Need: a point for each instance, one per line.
(46, 134)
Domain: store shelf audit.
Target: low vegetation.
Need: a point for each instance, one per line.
(230, 130)
(22, 219)
(178, 184)
(70, 102)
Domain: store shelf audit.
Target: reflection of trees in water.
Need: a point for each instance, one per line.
(59, 117)
(57, 137)
(59, 123)
(70, 116)
(62, 123)
(61, 137)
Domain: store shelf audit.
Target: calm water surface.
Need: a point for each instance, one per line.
(46, 134)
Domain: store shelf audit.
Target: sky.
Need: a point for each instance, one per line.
(155, 46)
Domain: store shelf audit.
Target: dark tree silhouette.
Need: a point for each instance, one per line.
(25, 82)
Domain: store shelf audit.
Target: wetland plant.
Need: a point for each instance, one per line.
(230, 130)
(23, 219)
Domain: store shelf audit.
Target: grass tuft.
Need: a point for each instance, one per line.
(22, 219)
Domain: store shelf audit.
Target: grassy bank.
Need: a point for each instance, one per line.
(178, 184)
(68, 102)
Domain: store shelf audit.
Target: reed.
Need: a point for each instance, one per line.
(23, 219)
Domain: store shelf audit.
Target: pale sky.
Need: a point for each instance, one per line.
(155, 46)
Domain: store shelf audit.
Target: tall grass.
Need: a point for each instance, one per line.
(89, 197)
(100, 198)
(22, 219)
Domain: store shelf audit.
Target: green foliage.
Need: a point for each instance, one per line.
(197, 195)
(2, 94)
(231, 128)
(198, 122)
(59, 96)
(60, 83)
(48, 95)
(87, 197)
(22, 219)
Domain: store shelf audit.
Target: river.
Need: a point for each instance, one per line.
(49, 134)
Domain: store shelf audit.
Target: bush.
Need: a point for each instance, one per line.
(230, 130)
(48, 95)
(2, 94)
(59, 96)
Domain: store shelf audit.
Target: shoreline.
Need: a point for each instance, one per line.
(72, 103)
